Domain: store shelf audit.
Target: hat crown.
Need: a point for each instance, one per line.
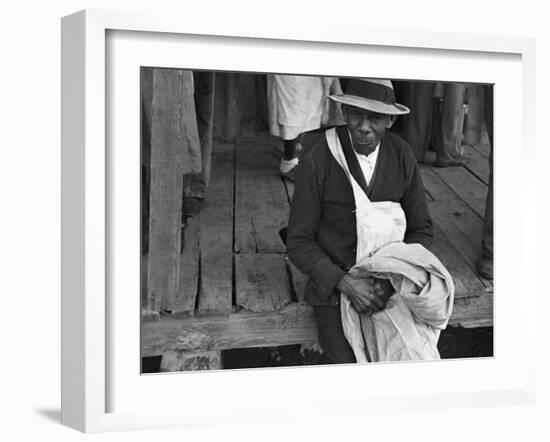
(377, 90)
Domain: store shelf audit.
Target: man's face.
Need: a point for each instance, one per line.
(366, 128)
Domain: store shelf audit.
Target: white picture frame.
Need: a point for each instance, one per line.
(90, 172)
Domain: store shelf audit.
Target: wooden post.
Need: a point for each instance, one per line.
(175, 150)
(232, 119)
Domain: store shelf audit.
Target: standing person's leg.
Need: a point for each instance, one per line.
(417, 125)
(449, 147)
(331, 334)
(289, 161)
(195, 186)
(485, 262)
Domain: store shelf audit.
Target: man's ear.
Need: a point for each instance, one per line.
(391, 119)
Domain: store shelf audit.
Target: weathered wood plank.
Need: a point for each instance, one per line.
(175, 150)
(189, 268)
(261, 203)
(216, 235)
(247, 104)
(295, 324)
(299, 281)
(462, 182)
(261, 282)
(478, 205)
(191, 361)
(477, 164)
(474, 311)
(463, 229)
(467, 283)
(434, 185)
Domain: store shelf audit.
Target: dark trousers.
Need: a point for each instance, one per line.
(331, 334)
(415, 127)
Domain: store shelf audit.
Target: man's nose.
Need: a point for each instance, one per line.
(365, 125)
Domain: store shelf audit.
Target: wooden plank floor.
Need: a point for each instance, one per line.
(235, 275)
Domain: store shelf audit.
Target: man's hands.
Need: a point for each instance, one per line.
(367, 295)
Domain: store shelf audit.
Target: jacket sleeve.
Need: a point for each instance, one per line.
(419, 222)
(305, 214)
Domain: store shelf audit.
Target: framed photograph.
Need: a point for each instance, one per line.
(176, 191)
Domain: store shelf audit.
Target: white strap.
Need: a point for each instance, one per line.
(361, 200)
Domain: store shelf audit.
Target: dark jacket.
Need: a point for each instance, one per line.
(322, 237)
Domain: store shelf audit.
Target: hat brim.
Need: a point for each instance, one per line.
(371, 105)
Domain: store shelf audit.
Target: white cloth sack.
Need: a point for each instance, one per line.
(408, 328)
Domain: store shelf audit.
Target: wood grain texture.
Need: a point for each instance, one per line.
(434, 185)
(261, 282)
(467, 282)
(462, 182)
(216, 235)
(477, 164)
(462, 228)
(261, 203)
(474, 311)
(174, 361)
(294, 324)
(189, 268)
(175, 150)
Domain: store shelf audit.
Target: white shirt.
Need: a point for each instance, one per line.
(368, 162)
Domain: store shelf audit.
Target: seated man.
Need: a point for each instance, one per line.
(322, 236)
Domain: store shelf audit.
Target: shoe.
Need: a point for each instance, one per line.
(485, 268)
(450, 163)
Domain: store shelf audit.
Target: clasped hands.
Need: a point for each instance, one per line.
(367, 295)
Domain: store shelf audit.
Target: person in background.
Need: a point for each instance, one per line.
(299, 104)
(195, 186)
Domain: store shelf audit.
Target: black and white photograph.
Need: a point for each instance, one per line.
(301, 220)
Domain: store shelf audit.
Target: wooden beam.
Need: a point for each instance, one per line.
(175, 150)
(216, 235)
(261, 282)
(294, 324)
(474, 311)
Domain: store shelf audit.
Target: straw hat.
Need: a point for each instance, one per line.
(372, 95)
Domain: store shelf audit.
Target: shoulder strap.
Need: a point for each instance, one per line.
(351, 158)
